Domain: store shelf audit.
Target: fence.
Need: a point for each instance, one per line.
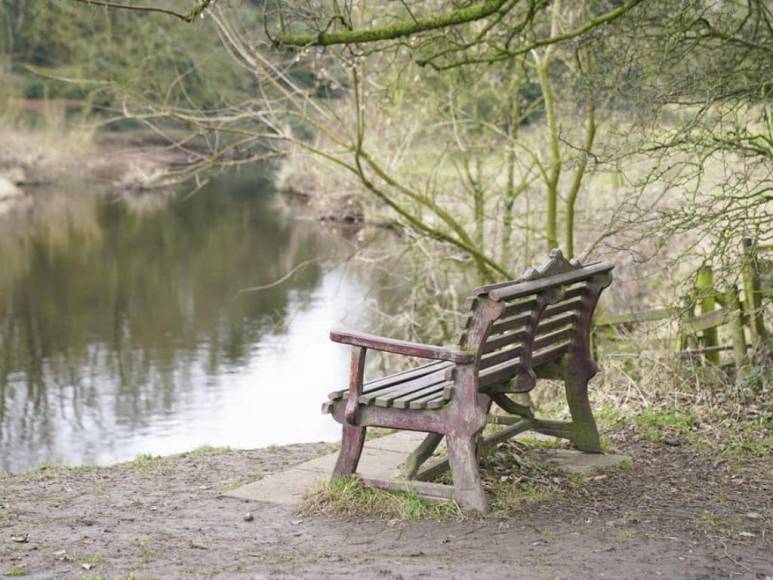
(707, 309)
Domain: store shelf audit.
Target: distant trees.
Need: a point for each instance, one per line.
(92, 52)
(605, 120)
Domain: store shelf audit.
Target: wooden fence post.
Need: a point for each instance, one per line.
(733, 304)
(752, 294)
(685, 314)
(705, 287)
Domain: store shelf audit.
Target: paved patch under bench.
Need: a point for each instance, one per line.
(381, 459)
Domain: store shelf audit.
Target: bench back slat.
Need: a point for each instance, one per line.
(533, 321)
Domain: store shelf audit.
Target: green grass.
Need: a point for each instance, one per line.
(206, 451)
(534, 442)
(656, 424)
(347, 496)
(608, 416)
(16, 571)
(47, 470)
(231, 485)
(146, 462)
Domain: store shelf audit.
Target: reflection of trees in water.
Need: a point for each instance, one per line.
(108, 302)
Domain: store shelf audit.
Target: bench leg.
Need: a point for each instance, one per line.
(423, 452)
(351, 448)
(585, 435)
(468, 490)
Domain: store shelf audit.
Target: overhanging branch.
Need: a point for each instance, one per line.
(399, 30)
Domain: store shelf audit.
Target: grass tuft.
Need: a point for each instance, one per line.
(146, 462)
(206, 451)
(16, 571)
(348, 497)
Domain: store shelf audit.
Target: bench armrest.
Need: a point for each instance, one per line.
(400, 346)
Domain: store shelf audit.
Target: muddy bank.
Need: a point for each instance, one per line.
(131, 161)
(675, 514)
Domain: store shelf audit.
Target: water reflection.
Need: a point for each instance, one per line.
(122, 330)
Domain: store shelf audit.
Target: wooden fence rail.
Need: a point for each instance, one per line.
(698, 333)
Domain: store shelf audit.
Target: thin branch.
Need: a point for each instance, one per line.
(189, 16)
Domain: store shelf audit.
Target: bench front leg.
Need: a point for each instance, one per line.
(353, 435)
(356, 373)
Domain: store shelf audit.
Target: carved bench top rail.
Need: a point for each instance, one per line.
(520, 289)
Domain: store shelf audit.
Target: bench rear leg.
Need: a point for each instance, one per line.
(351, 449)
(423, 452)
(585, 433)
(468, 490)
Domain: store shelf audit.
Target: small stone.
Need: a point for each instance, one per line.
(248, 517)
(753, 515)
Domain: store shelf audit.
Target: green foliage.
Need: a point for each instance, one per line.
(656, 424)
(670, 400)
(111, 53)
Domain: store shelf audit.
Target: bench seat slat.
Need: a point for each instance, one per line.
(433, 400)
(390, 380)
(384, 397)
(440, 390)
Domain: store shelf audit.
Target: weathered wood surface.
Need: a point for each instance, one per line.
(399, 346)
(515, 331)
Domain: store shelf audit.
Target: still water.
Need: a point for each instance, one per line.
(123, 328)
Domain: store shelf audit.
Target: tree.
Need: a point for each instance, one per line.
(654, 107)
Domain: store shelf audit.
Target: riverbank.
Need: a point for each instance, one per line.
(122, 161)
(676, 513)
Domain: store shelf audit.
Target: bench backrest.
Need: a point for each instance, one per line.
(515, 327)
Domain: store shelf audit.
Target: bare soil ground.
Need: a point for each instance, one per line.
(676, 513)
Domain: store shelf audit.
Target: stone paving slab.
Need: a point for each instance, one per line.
(381, 458)
(573, 461)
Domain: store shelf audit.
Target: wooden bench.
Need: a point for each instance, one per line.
(516, 332)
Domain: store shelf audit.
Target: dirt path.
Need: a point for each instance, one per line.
(674, 514)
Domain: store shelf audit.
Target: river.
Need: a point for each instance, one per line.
(125, 328)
